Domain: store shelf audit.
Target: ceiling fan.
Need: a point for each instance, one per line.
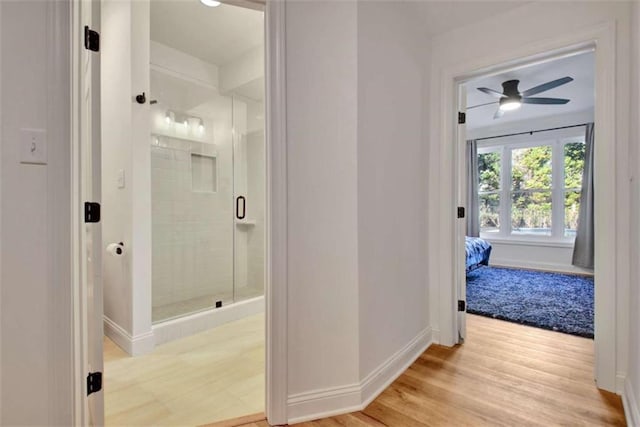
(512, 99)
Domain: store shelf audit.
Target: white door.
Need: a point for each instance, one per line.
(461, 223)
(89, 188)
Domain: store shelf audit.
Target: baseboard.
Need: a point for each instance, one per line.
(621, 379)
(435, 336)
(355, 397)
(630, 404)
(323, 403)
(133, 345)
(392, 368)
(541, 266)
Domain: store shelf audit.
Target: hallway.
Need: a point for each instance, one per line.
(504, 374)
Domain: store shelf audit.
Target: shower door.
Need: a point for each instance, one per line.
(192, 197)
(249, 191)
(208, 197)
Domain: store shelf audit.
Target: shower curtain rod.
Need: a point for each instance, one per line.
(531, 132)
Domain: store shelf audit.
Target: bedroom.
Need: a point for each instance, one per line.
(530, 239)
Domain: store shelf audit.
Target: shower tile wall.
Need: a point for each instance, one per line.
(192, 230)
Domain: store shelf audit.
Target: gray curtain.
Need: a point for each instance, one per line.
(584, 244)
(473, 208)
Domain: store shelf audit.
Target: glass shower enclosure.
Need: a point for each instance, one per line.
(207, 196)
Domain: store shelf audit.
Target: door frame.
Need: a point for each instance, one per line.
(602, 39)
(276, 230)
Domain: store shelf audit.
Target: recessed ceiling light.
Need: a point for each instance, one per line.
(210, 3)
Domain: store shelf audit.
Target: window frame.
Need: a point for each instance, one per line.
(505, 146)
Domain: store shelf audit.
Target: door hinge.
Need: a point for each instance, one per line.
(91, 212)
(460, 211)
(91, 39)
(462, 306)
(94, 382)
(462, 118)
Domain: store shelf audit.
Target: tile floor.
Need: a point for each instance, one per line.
(211, 376)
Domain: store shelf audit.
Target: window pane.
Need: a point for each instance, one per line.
(489, 212)
(531, 168)
(489, 171)
(573, 164)
(571, 209)
(531, 212)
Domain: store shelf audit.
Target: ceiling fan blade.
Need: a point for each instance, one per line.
(491, 92)
(482, 105)
(550, 101)
(499, 113)
(546, 86)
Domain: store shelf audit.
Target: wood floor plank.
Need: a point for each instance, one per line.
(248, 420)
(505, 374)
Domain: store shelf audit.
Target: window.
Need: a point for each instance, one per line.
(530, 189)
(489, 191)
(574, 153)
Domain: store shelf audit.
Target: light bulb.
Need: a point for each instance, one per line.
(510, 105)
(210, 3)
(169, 117)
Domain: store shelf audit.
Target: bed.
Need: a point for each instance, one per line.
(478, 252)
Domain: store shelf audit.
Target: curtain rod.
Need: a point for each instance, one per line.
(531, 132)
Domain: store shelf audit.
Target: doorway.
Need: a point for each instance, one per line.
(184, 203)
(604, 303)
(89, 19)
(529, 239)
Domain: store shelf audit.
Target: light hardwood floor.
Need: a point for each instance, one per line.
(214, 375)
(504, 375)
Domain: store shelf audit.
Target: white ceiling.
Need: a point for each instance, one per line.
(439, 16)
(216, 35)
(580, 91)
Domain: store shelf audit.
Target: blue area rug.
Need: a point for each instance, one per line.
(559, 302)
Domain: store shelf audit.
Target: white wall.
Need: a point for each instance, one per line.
(632, 389)
(35, 279)
(125, 142)
(322, 160)
(484, 41)
(244, 70)
(182, 64)
(551, 256)
(391, 183)
(358, 309)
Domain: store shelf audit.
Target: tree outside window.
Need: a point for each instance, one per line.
(520, 193)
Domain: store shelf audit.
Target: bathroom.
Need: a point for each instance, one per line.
(184, 201)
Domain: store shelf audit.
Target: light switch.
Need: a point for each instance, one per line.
(121, 178)
(34, 146)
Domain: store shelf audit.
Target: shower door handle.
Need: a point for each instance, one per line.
(244, 207)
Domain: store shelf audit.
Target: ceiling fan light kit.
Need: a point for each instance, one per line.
(510, 104)
(511, 98)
